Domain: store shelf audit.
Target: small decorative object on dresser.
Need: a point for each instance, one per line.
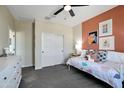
(10, 72)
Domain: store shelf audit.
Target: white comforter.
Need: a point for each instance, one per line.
(109, 72)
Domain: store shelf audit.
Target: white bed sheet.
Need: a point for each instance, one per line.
(108, 72)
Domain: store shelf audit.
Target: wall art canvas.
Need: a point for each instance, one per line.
(92, 37)
(105, 28)
(107, 43)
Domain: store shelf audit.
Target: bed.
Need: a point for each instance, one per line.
(109, 72)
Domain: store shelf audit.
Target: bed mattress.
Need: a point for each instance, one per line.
(108, 72)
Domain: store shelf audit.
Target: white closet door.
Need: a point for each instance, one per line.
(52, 49)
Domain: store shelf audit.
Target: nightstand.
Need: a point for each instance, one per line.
(74, 55)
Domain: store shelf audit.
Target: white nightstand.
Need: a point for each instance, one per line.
(74, 55)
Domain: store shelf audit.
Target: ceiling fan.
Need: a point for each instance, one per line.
(69, 9)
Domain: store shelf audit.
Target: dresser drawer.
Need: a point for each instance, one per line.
(10, 73)
(14, 81)
(11, 83)
(16, 67)
(6, 75)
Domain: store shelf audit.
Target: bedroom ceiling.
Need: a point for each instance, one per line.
(44, 12)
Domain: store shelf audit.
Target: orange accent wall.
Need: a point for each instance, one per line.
(117, 16)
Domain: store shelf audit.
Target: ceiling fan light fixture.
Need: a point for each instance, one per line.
(67, 8)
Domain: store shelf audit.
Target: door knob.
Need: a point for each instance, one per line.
(42, 51)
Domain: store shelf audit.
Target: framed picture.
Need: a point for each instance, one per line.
(105, 28)
(92, 37)
(107, 43)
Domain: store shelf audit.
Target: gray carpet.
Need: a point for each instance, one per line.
(58, 77)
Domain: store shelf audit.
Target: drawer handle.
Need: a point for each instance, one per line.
(14, 66)
(5, 78)
(15, 78)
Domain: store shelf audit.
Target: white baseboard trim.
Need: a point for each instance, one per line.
(28, 66)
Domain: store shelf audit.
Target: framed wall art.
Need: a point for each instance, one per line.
(92, 37)
(105, 28)
(107, 43)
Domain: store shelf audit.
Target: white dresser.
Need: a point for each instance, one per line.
(10, 72)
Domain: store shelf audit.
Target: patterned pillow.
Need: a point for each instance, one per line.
(94, 56)
(90, 52)
(102, 56)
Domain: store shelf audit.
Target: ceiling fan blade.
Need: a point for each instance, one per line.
(71, 13)
(57, 12)
(78, 5)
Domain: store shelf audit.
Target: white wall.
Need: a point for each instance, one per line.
(24, 42)
(40, 27)
(77, 34)
(6, 23)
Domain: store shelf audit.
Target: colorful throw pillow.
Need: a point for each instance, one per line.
(88, 53)
(95, 56)
(92, 55)
(102, 56)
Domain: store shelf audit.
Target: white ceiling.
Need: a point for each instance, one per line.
(39, 12)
